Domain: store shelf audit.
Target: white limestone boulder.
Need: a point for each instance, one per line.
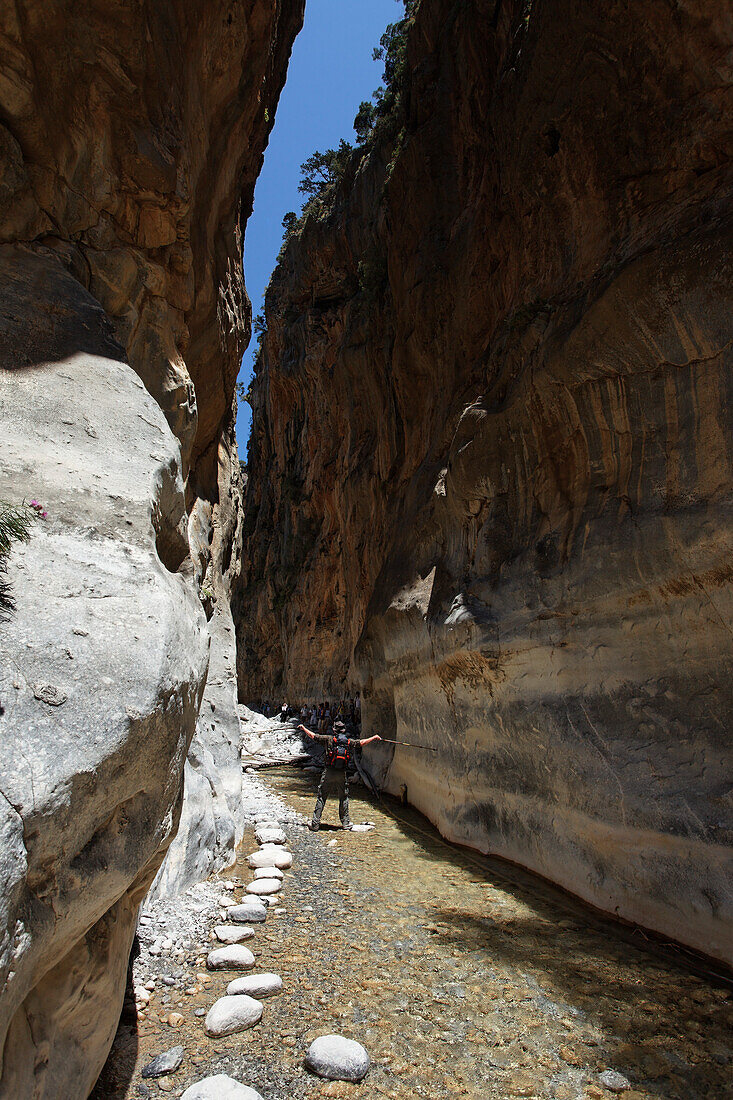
(231, 957)
(231, 1014)
(256, 985)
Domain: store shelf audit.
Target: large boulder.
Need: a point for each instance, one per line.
(102, 667)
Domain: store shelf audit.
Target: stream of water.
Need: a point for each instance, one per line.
(463, 977)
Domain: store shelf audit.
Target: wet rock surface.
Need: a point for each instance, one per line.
(337, 1058)
(462, 977)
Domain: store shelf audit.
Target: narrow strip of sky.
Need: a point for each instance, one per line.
(331, 71)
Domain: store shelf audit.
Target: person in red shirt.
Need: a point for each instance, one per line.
(334, 777)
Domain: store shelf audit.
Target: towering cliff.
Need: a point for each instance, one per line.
(490, 470)
(130, 140)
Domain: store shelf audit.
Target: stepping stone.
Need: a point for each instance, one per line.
(267, 823)
(256, 985)
(268, 872)
(270, 836)
(168, 1062)
(614, 1081)
(271, 856)
(337, 1058)
(219, 1087)
(231, 1014)
(263, 886)
(232, 957)
(226, 933)
(251, 911)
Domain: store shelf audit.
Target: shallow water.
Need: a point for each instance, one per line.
(463, 977)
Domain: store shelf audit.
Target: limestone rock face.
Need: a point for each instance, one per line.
(101, 672)
(490, 474)
(128, 160)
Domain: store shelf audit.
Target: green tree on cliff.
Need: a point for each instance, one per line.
(322, 170)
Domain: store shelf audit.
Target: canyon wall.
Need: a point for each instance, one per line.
(490, 469)
(131, 137)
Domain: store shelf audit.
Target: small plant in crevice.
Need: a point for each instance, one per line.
(16, 521)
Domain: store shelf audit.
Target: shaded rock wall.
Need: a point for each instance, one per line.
(492, 435)
(101, 673)
(130, 141)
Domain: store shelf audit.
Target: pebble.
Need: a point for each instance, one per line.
(168, 1062)
(174, 1019)
(366, 827)
(168, 981)
(256, 985)
(227, 933)
(268, 872)
(219, 1087)
(231, 1014)
(271, 856)
(263, 886)
(270, 836)
(232, 957)
(614, 1081)
(251, 911)
(337, 1058)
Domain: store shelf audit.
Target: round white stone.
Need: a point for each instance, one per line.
(229, 933)
(268, 872)
(251, 911)
(271, 855)
(337, 1058)
(614, 1081)
(230, 1014)
(256, 985)
(270, 836)
(232, 957)
(263, 886)
(219, 1087)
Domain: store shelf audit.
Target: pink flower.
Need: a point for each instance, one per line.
(34, 504)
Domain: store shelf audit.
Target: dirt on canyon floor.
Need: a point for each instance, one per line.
(463, 977)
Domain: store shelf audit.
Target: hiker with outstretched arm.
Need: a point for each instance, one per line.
(334, 777)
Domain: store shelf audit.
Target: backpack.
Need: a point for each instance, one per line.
(338, 752)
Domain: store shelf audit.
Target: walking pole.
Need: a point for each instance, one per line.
(408, 744)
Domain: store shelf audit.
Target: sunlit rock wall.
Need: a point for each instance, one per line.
(130, 141)
(490, 475)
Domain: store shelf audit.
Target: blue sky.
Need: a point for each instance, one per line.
(331, 71)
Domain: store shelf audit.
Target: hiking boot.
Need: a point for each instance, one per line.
(348, 826)
(314, 826)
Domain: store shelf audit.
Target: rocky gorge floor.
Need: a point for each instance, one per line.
(462, 976)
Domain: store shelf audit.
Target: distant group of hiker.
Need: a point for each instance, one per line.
(321, 716)
(331, 725)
